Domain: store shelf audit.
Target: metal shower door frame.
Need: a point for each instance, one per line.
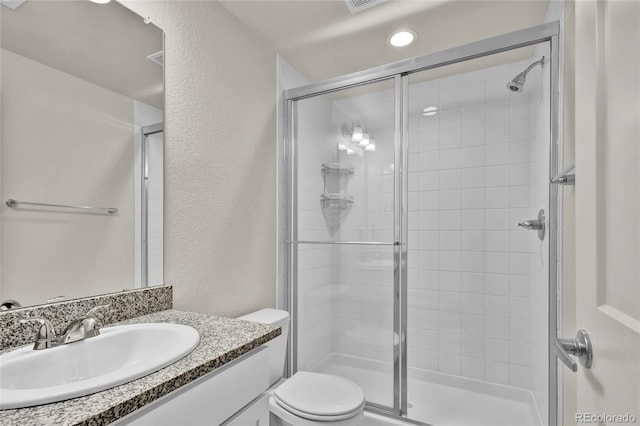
(400, 71)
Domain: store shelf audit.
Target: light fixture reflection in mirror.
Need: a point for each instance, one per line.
(91, 91)
(357, 134)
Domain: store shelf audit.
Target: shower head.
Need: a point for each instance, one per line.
(517, 83)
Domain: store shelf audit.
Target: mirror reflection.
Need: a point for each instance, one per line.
(81, 126)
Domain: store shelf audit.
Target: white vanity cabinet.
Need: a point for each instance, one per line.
(256, 414)
(232, 395)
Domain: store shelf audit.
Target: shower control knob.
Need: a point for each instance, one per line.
(535, 224)
(532, 224)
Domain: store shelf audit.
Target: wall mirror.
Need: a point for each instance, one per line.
(81, 126)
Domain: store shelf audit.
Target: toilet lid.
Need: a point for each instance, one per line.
(320, 394)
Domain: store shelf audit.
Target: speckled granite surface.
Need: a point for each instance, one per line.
(124, 305)
(221, 341)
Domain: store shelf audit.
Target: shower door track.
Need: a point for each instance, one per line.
(399, 72)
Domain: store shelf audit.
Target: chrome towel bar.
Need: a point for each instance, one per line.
(360, 243)
(13, 203)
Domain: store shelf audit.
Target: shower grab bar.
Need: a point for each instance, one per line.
(564, 178)
(13, 203)
(361, 243)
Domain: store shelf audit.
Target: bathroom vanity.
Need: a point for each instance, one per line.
(221, 382)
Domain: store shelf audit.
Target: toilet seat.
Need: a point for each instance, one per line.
(287, 418)
(310, 416)
(320, 397)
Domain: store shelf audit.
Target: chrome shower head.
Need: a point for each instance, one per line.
(517, 83)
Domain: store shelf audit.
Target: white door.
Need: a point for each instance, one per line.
(607, 191)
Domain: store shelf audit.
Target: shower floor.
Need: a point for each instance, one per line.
(439, 399)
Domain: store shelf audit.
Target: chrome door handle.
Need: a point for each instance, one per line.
(579, 347)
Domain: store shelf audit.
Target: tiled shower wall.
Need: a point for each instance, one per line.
(470, 176)
(315, 271)
(315, 261)
(469, 264)
(363, 286)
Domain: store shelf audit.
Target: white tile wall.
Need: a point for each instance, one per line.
(316, 268)
(470, 183)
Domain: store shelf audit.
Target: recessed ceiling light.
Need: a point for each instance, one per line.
(100, 1)
(402, 38)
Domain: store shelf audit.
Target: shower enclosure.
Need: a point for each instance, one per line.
(405, 268)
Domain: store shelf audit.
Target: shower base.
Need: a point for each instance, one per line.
(436, 398)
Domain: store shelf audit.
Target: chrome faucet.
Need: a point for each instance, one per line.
(84, 327)
(81, 328)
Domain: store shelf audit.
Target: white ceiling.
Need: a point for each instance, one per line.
(90, 41)
(322, 39)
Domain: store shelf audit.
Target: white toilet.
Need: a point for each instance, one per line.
(306, 398)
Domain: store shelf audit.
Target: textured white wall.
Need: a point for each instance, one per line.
(220, 163)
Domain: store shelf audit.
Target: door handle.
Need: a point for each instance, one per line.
(579, 347)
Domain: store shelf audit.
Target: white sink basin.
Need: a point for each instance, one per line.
(118, 355)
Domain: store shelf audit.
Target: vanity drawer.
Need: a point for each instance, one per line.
(211, 399)
(256, 414)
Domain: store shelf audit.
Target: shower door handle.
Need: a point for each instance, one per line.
(579, 347)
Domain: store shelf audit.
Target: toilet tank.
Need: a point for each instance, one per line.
(277, 347)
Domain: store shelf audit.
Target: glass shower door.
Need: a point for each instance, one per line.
(407, 270)
(478, 313)
(343, 228)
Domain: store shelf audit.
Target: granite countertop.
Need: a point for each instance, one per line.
(221, 341)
